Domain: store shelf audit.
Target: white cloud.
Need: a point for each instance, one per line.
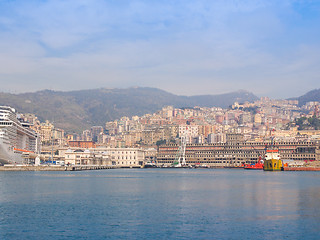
(186, 47)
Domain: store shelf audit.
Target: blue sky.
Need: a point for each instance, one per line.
(271, 48)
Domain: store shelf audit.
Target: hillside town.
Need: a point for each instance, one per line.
(256, 121)
(130, 141)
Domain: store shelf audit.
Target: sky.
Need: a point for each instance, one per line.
(189, 47)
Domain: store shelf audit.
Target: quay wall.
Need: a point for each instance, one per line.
(52, 168)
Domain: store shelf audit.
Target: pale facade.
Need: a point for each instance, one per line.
(85, 157)
(124, 157)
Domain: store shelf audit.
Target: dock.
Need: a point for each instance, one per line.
(310, 166)
(301, 168)
(53, 168)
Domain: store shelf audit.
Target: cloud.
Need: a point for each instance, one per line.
(185, 47)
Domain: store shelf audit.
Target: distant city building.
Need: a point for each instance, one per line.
(217, 138)
(82, 144)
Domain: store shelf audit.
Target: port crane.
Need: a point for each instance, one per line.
(180, 159)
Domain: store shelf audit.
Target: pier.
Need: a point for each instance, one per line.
(53, 168)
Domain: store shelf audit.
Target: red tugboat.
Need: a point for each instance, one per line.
(257, 166)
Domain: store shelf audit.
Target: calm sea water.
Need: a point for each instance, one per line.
(160, 204)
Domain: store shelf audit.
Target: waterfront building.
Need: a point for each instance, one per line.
(236, 152)
(107, 156)
(123, 157)
(78, 157)
(85, 157)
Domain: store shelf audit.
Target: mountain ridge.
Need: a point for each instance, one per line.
(77, 110)
(311, 96)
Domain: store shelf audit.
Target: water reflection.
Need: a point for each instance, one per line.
(160, 203)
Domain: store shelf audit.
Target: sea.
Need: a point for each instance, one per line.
(162, 203)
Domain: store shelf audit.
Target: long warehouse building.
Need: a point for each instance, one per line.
(236, 152)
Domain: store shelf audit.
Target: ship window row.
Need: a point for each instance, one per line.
(6, 123)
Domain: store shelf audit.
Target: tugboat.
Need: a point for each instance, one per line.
(258, 166)
(272, 160)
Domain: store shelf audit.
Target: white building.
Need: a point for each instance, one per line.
(85, 157)
(124, 157)
(120, 157)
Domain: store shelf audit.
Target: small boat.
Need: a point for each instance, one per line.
(150, 164)
(257, 166)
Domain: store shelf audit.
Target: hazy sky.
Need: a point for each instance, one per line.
(269, 47)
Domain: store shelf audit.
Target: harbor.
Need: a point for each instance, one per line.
(159, 120)
(21, 150)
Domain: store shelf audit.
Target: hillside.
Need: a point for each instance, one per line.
(75, 111)
(311, 96)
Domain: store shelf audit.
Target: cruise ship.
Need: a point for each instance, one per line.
(16, 138)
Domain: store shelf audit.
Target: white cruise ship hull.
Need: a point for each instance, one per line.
(9, 156)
